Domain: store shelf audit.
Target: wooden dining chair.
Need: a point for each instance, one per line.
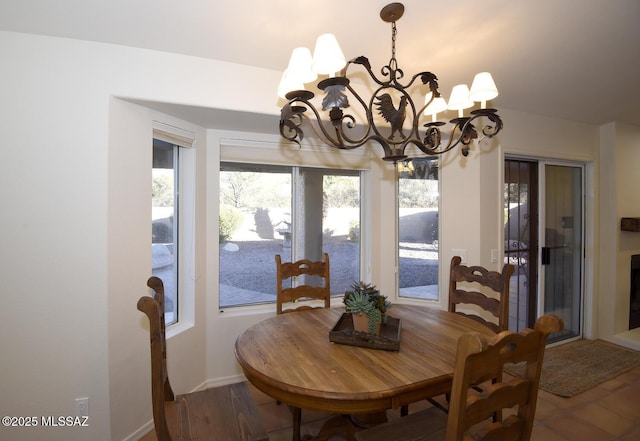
(480, 357)
(480, 294)
(215, 414)
(288, 296)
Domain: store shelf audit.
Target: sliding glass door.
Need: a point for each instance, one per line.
(562, 246)
(544, 241)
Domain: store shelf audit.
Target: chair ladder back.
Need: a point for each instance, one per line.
(479, 357)
(161, 390)
(292, 270)
(498, 282)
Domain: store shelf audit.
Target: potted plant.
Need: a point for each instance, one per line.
(367, 306)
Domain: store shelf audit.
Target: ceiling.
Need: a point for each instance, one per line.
(576, 60)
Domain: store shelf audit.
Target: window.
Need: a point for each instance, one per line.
(164, 222)
(418, 200)
(292, 211)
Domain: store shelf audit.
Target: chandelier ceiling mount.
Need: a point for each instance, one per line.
(392, 12)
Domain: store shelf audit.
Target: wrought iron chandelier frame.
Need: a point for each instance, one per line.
(337, 133)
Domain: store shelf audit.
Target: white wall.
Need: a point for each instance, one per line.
(619, 159)
(75, 251)
(627, 205)
(54, 218)
(471, 212)
(129, 263)
(74, 257)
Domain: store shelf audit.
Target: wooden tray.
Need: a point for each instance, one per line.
(388, 340)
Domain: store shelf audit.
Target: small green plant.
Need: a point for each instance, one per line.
(364, 298)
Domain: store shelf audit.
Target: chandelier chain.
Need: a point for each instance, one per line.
(394, 32)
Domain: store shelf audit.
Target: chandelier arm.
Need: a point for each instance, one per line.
(355, 146)
(350, 125)
(324, 133)
(461, 138)
(467, 133)
(415, 132)
(321, 131)
(344, 143)
(290, 122)
(438, 151)
(364, 62)
(424, 148)
(428, 79)
(417, 117)
(488, 130)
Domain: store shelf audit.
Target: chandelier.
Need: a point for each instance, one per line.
(391, 116)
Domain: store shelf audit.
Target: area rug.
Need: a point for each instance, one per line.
(578, 366)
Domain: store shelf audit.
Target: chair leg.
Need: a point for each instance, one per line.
(297, 417)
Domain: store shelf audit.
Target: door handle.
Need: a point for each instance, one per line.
(546, 255)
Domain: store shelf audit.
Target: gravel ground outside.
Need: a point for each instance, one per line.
(252, 266)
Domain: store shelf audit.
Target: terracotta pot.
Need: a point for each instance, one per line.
(361, 323)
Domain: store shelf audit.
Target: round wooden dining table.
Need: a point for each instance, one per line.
(290, 358)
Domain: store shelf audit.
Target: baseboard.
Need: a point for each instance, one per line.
(223, 381)
(142, 431)
(628, 339)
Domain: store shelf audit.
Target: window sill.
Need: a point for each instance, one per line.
(178, 328)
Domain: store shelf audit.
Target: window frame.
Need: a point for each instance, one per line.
(172, 289)
(299, 206)
(270, 150)
(401, 167)
(185, 142)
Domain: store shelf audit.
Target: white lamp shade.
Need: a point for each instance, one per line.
(437, 105)
(287, 84)
(460, 98)
(299, 68)
(483, 88)
(327, 56)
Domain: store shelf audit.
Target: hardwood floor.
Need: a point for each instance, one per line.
(610, 411)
